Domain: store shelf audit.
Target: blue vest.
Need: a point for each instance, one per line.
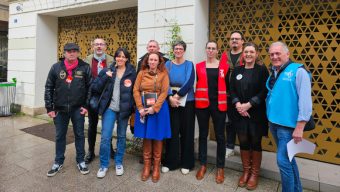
(282, 99)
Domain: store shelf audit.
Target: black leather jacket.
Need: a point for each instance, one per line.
(62, 96)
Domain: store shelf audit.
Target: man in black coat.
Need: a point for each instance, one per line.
(98, 61)
(234, 60)
(152, 47)
(66, 97)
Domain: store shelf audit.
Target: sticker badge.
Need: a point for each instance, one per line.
(62, 74)
(69, 79)
(101, 65)
(127, 83)
(150, 101)
(239, 77)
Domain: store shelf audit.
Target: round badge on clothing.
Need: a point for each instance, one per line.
(239, 77)
(62, 74)
(127, 83)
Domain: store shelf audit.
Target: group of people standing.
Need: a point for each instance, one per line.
(162, 95)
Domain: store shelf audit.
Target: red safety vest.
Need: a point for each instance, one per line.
(201, 94)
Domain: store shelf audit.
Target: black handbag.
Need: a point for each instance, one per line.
(310, 125)
(95, 99)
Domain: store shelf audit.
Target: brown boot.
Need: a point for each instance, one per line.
(219, 175)
(245, 157)
(157, 154)
(201, 172)
(256, 157)
(147, 150)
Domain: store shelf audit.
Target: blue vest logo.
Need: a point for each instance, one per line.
(288, 75)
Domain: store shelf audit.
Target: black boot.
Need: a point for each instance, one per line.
(89, 157)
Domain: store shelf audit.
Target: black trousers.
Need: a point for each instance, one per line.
(218, 117)
(179, 149)
(231, 135)
(92, 129)
(230, 129)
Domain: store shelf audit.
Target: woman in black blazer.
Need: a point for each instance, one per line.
(248, 92)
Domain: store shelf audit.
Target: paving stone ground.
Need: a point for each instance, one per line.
(25, 160)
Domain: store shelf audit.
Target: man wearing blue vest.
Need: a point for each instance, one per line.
(289, 107)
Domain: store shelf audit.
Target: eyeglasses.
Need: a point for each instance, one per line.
(99, 44)
(235, 39)
(211, 48)
(179, 49)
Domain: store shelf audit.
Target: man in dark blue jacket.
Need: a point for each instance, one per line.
(66, 97)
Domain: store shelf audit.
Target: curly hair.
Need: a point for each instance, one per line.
(160, 66)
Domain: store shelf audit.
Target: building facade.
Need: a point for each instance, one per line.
(39, 29)
(3, 39)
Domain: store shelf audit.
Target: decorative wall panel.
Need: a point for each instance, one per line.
(118, 28)
(310, 28)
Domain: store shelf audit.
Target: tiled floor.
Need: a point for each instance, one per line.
(25, 159)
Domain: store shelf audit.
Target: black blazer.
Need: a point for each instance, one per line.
(255, 93)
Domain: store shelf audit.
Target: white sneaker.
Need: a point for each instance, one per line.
(102, 172)
(185, 171)
(229, 153)
(119, 170)
(165, 169)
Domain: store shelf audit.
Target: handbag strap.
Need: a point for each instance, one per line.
(101, 95)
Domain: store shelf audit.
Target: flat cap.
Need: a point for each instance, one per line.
(71, 46)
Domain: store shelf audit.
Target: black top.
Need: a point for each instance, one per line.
(249, 85)
(212, 77)
(234, 58)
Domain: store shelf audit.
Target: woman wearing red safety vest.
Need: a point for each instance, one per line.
(211, 100)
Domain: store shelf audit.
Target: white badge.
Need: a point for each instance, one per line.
(239, 77)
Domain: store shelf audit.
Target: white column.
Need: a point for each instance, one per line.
(46, 56)
(22, 57)
(191, 15)
(154, 18)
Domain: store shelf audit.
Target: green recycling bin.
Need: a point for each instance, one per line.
(7, 97)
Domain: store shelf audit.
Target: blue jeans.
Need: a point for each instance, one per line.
(289, 171)
(61, 122)
(108, 121)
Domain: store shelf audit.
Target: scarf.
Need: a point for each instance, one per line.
(100, 60)
(70, 66)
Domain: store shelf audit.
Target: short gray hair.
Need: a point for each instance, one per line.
(282, 44)
(152, 41)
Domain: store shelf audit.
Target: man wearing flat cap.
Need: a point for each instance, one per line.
(66, 97)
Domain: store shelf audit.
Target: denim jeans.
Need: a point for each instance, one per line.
(289, 171)
(108, 121)
(61, 122)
